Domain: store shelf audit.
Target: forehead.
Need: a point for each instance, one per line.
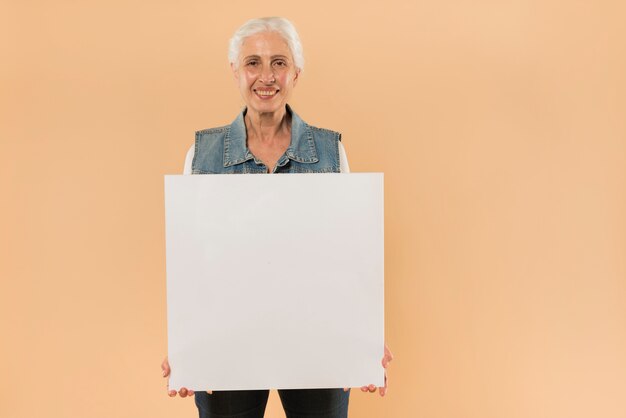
(265, 44)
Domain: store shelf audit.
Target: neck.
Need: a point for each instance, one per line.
(266, 126)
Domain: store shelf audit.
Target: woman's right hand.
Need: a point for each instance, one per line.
(183, 392)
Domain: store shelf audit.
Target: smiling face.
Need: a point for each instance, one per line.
(265, 72)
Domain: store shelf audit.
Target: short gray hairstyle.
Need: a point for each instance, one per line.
(267, 24)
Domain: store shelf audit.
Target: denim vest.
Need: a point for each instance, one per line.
(224, 151)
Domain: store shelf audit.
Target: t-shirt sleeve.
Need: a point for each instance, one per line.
(343, 160)
(189, 160)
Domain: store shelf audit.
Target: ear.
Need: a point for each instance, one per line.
(295, 77)
(235, 72)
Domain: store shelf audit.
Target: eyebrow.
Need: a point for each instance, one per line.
(272, 57)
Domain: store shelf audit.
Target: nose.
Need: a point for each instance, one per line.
(267, 75)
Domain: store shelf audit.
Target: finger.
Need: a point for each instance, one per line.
(165, 366)
(386, 361)
(210, 392)
(383, 390)
(171, 393)
(387, 358)
(388, 351)
(190, 393)
(346, 389)
(371, 388)
(363, 388)
(182, 392)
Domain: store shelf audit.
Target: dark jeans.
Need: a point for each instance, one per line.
(297, 403)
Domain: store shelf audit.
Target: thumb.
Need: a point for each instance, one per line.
(165, 366)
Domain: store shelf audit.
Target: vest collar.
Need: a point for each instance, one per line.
(301, 149)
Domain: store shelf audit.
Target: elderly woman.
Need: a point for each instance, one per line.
(268, 137)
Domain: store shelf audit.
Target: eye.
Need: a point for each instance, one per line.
(252, 63)
(280, 63)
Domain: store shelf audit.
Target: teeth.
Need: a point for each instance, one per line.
(266, 93)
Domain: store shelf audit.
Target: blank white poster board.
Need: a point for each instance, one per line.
(275, 281)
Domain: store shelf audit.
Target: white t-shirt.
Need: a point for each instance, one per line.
(343, 160)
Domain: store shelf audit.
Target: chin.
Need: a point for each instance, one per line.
(267, 108)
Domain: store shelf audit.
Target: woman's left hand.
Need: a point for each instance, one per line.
(383, 389)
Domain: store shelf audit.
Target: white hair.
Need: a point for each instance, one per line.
(267, 24)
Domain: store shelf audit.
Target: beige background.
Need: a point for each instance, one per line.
(500, 126)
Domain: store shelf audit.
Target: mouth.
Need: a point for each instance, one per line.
(266, 94)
